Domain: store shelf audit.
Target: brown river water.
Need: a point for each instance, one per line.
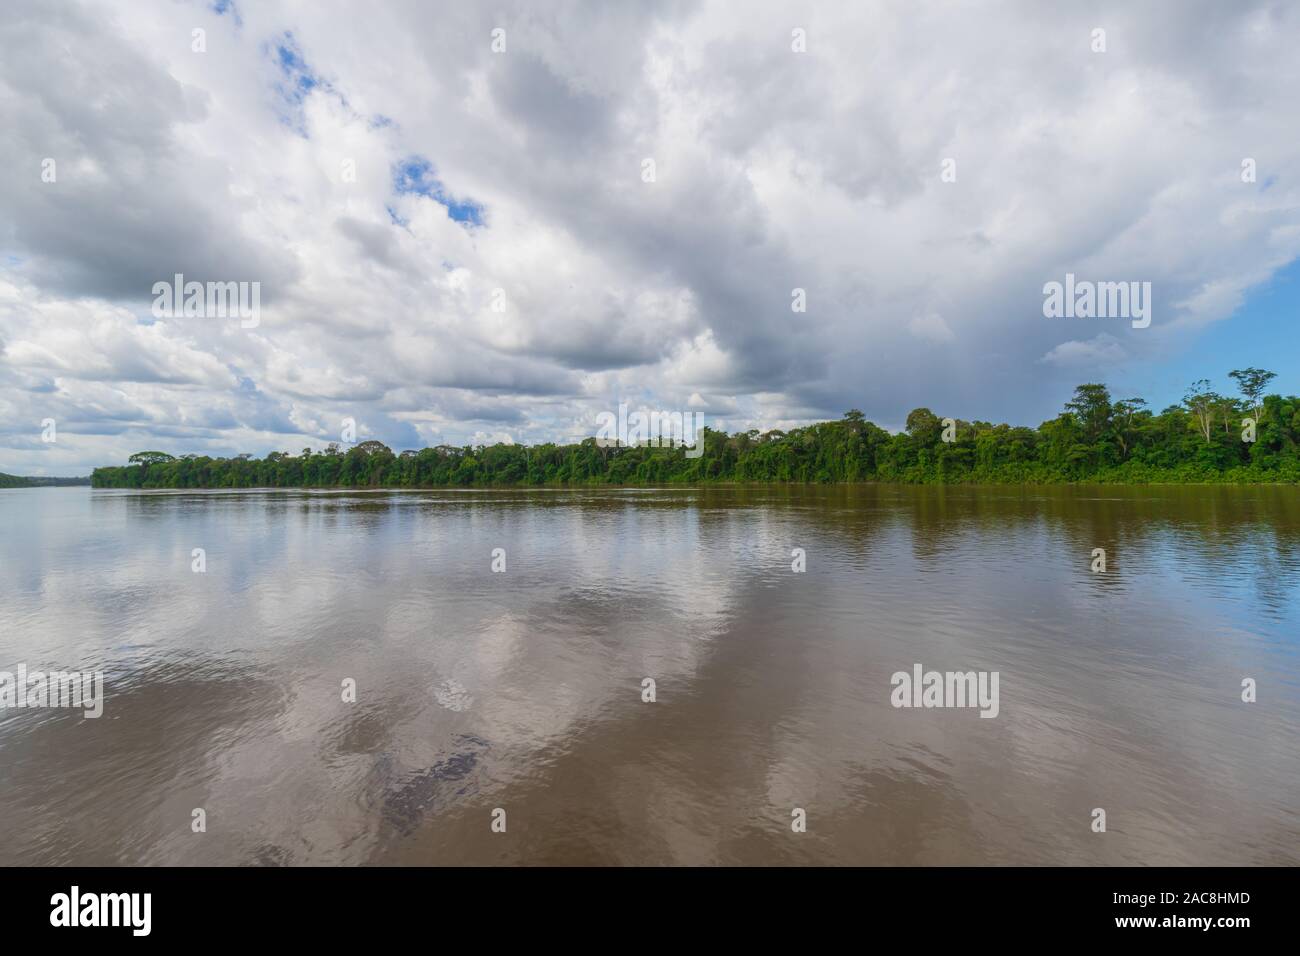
(522, 691)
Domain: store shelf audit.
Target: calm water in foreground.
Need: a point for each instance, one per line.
(522, 690)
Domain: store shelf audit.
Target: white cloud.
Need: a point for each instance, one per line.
(1099, 352)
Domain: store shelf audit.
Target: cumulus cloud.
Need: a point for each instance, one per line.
(1100, 352)
(454, 243)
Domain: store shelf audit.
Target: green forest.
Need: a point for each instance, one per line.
(1096, 438)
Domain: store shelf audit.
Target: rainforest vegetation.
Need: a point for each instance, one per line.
(1096, 438)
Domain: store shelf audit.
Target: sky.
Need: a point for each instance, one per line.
(457, 238)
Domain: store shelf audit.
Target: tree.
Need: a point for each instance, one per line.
(1227, 408)
(1251, 382)
(924, 425)
(1124, 412)
(148, 458)
(1091, 405)
(1201, 402)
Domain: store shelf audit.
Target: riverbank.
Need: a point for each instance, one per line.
(967, 482)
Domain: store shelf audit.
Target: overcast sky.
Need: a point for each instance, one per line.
(524, 171)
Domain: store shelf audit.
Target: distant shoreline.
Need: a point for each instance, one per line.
(725, 483)
(19, 481)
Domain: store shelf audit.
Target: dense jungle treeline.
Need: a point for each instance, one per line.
(1095, 439)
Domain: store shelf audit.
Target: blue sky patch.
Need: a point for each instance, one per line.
(301, 80)
(298, 81)
(417, 176)
(222, 7)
